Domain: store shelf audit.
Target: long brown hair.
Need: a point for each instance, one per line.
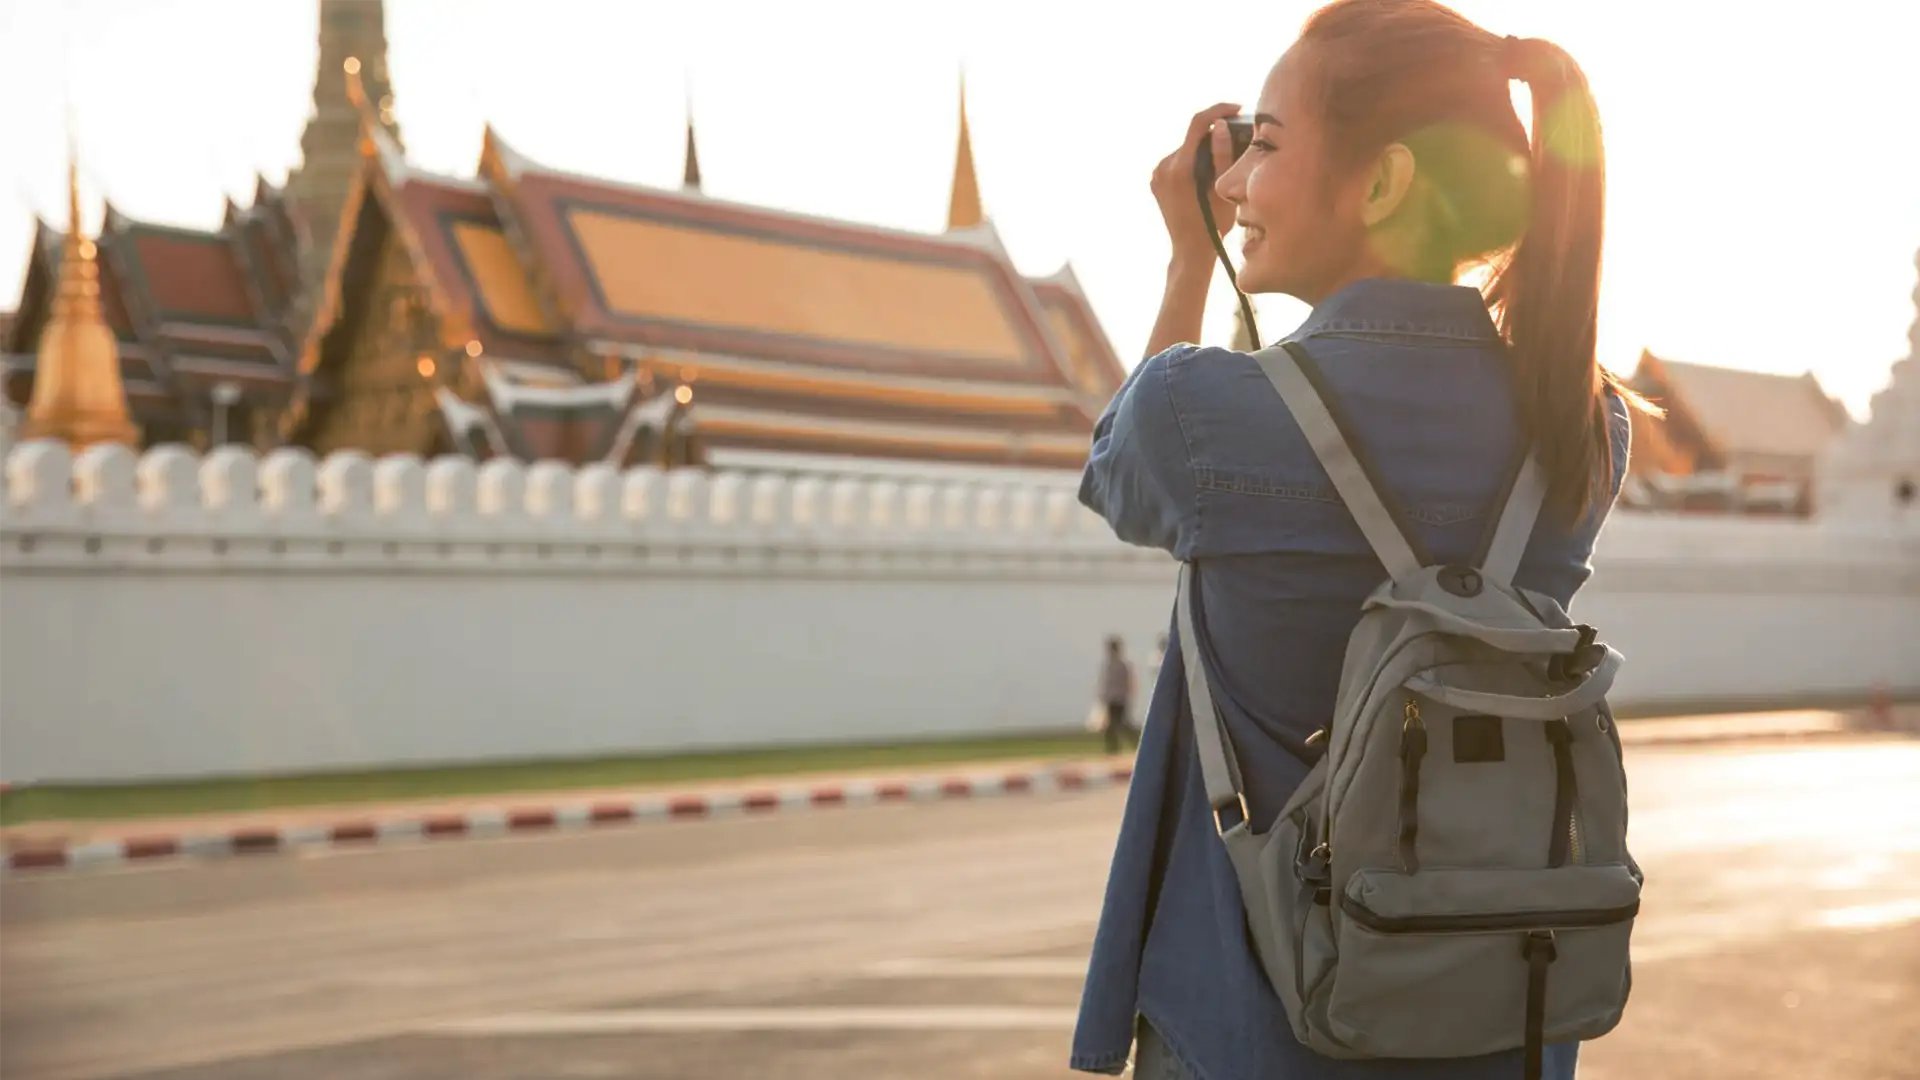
(1419, 73)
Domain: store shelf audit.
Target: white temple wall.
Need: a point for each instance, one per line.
(169, 616)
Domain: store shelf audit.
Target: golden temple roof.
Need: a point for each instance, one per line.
(788, 329)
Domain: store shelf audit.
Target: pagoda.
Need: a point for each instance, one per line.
(353, 41)
(77, 396)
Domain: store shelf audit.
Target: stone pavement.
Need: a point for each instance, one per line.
(1780, 938)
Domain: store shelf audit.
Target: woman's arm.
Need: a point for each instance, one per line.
(1139, 475)
(1190, 273)
(1184, 303)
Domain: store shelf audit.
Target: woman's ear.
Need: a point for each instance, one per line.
(1387, 184)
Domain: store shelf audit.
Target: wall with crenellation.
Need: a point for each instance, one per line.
(170, 615)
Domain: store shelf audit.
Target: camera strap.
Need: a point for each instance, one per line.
(1203, 186)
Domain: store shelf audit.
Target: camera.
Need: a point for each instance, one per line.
(1240, 131)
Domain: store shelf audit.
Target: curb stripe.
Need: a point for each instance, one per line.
(439, 827)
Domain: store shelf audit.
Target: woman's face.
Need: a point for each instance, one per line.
(1303, 233)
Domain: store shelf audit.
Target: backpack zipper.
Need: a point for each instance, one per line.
(1484, 922)
(1336, 751)
(1413, 747)
(1564, 847)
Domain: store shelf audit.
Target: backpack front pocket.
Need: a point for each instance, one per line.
(1453, 962)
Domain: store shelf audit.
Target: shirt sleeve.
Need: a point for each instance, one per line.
(1139, 476)
(1620, 438)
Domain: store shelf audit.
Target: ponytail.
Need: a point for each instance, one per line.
(1417, 72)
(1547, 294)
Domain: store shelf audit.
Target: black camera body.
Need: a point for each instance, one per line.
(1240, 131)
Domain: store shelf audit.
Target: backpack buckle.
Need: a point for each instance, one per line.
(1220, 826)
(1577, 662)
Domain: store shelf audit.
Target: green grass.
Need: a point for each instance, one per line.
(101, 802)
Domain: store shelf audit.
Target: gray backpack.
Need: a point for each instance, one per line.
(1452, 877)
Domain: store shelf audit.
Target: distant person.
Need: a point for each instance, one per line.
(1116, 696)
(1386, 160)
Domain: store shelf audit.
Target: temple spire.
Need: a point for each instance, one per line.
(353, 41)
(963, 211)
(78, 397)
(690, 178)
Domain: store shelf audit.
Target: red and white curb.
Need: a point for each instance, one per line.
(566, 817)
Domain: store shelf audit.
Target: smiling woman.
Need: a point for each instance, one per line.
(1387, 160)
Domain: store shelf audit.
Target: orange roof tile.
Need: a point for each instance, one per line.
(505, 295)
(192, 275)
(673, 270)
(1096, 367)
(474, 266)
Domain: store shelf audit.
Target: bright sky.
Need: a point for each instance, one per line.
(1765, 170)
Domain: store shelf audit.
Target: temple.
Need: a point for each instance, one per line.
(530, 312)
(204, 321)
(536, 312)
(1731, 439)
(208, 323)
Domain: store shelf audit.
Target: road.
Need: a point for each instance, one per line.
(1780, 938)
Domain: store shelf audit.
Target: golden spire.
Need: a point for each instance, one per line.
(77, 393)
(963, 212)
(690, 178)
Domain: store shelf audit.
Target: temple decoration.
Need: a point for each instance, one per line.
(77, 395)
(612, 422)
(963, 209)
(353, 41)
(690, 178)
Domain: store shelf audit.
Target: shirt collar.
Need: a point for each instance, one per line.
(1400, 306)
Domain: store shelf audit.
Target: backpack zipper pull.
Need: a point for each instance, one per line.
(1413, 733)
(1413, 747)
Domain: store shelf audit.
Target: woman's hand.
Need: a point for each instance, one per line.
(1173, 186)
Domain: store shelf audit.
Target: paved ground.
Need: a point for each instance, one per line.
(1781, 939)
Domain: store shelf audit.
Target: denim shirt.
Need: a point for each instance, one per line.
(1197, 456)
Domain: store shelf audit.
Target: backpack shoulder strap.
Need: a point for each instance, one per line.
(1219, 767)
(1507, 543)
(1295, 377)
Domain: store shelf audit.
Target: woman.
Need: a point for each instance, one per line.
(1387, 159)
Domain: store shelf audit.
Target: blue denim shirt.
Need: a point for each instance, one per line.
(1197, 456)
